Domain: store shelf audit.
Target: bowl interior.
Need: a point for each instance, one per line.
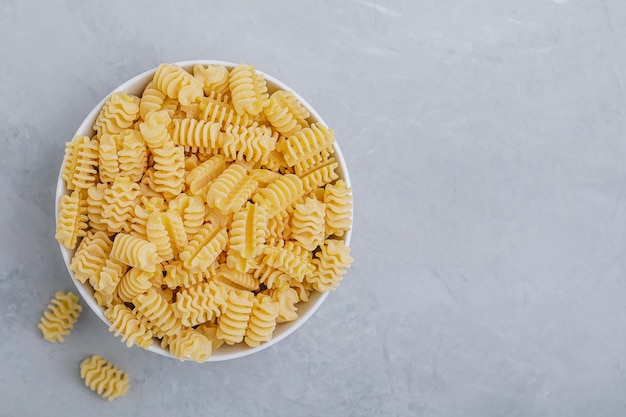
(136, 86)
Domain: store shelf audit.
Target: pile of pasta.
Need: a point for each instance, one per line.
(205, 210)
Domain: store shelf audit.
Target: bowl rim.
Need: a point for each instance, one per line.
(86, 126)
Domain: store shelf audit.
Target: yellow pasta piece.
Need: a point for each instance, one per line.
(155, 129)
(191, 210)
(167, 232)
(117, 207)
(252, 144)
(308, 145)
(176, 275)
(192, 111)
(169, 170)
(133, 330)
(190, 344)
(135, 282)
(80, 163)
(194, 134)
(303, 288)
(107, 300)
(286, 113)
(216, 108)
(95, 201)
(135, 252)
(331, 264)
(288, 258)
(307, 224)
(262, 320)
(133, 156)
(278, 227)
(142, 213)
(234, 279)
(209, 330)
(118, 113)
(287, 299)
(279, 194)
(214, 78)
(109, 277)
(91, 255)
(318, 175)
(204, 248)
(200, 303)
(248, 90)
(178, 84)
(276, 162)
(248, 231)
(270, 276)
(109, 168)
(62, 313)
(232, 324)
(200, 178)
(104, 378)
(72, 219)
(158, 311)
(338, 213)
(151, 100)
(231, 189)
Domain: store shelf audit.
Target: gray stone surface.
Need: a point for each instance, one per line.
(486, 145)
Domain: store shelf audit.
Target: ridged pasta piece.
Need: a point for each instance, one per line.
(248, 90)
(264, 176)
(262, 320)
(169, 170)
(200, 178)
(200, 303)
(216, 108)
(167, 232)
(286, 113)
(135, 252)
(155, 129)
(331, 264)
(252, 144)
(307, 145)
(308, 224)
(318, 175)
(209, 330)
(216, 218)
(104, 378)
(109, 277)
(80, 163)
(108, 168)
(158, 311)
(191, 209)
(194, 134)
(278, 227)
(127, 324)
(338, 214)
(214, 78)
(287, 299)
(171, 107)
(118, 204)
(303, 288)
(142, 212)
(178, 84)
(190, 344)
(134, 282)
(231, 189)
(133, 156)
(248, 231)
(72, 219)
(176, 275)
(91, 255)
(270, 276)
(59, 319)
(204, 248)
(232, 324)
(288, 258)
(234, 279)
(146, 186)
(118, 113)
(95, 201)
(151, 100)
(192, 111)
(276, 162)
(107, 300)
(279, 194)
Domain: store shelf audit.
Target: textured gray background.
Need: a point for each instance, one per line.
(485, 140)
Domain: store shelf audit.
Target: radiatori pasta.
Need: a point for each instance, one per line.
(203, 212)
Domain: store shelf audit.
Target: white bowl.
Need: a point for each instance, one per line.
(136, 86)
